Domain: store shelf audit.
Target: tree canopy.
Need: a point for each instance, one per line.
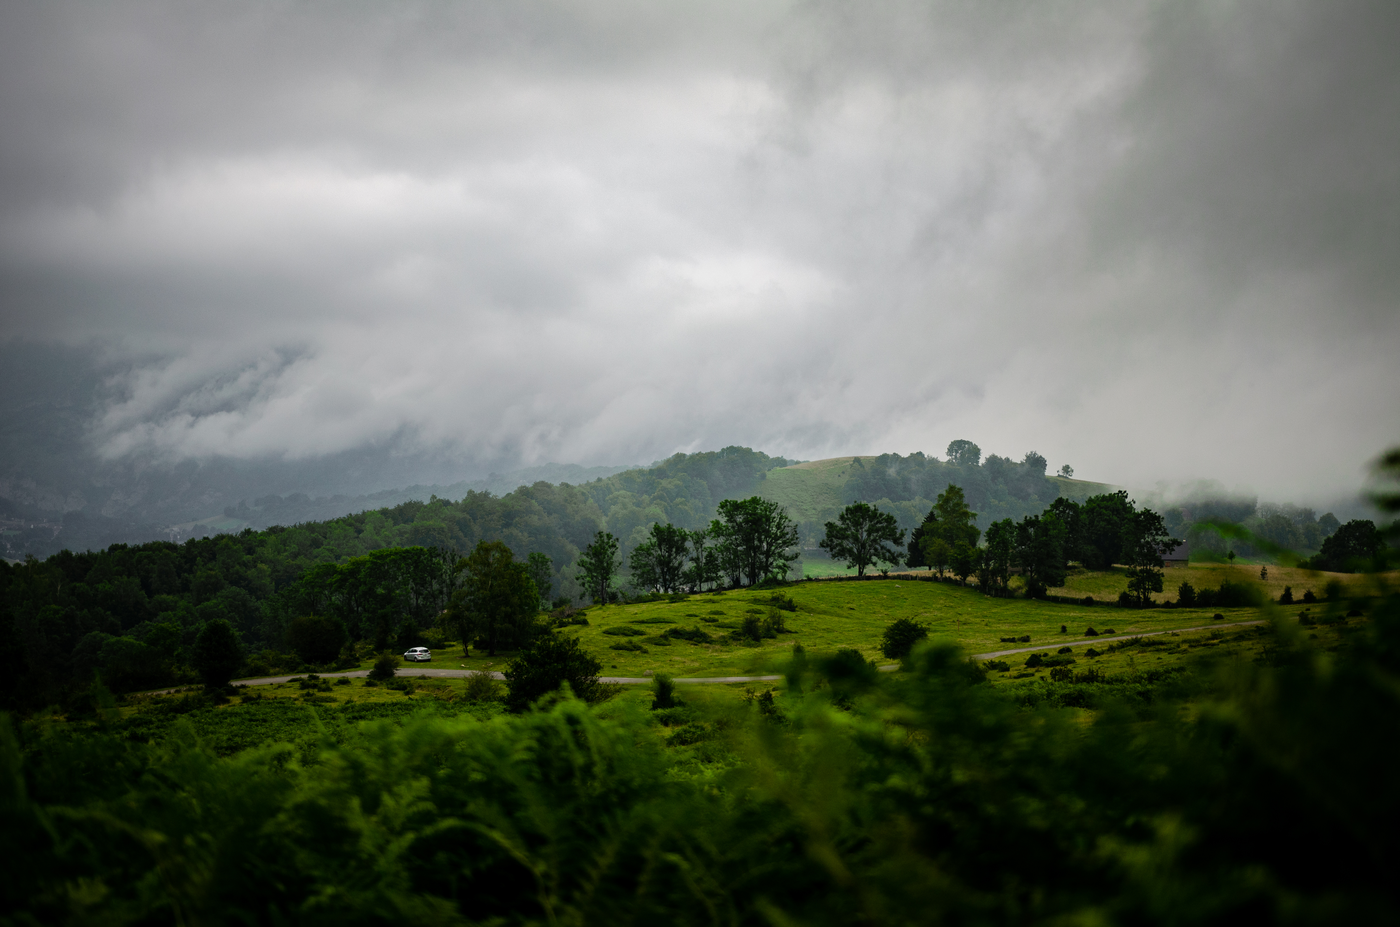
(863, 535)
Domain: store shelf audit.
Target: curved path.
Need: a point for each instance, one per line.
(412, 672)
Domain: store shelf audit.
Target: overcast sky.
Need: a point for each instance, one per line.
(1157, 241)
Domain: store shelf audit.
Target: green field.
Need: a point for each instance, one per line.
(1106, 585)
(840, 615)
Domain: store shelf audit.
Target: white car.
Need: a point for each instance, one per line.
(417, 655)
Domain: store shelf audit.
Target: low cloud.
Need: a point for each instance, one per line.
(1153, 240)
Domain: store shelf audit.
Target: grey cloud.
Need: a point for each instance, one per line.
(1155, 240)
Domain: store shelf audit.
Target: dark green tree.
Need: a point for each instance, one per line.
(316, 638)
(1039, 552)
(541, 571)
(901, 636)
(937, 553)
(994, 576)
(1104, 522)
(597, 565)
(963, 453)
(956, 522)
(217, 653)
(658, 563)
(861, 535)
(1351, 548)
(965, 561)
(756, 537)
(1145, 541)
(1068, 512)
(497, 601)
(704, 565)
(545, 665)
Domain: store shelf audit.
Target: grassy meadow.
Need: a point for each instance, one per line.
(843, 615)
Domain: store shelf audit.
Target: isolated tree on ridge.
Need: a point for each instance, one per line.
(859, 537)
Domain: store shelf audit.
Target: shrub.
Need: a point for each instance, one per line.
(997, 666)
(1217, 617)
(1308, 596)
(1125, 600)
(1065, 650)
(624, 631)
(1034, 660)
(1091, 633)
(481, 687)
(663, 692)
(545, 665)
(1091, 652)
(780, 601)
(1287, 597)
(384, 667)
(1088, 600)
(900, 637)
(1061, 674)
(1108, 631)
(631, 646)
(694, 635)
(1064, 629)
(773, 624)
(1023, 639)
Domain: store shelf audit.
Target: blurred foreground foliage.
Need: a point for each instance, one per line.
(1257, 792)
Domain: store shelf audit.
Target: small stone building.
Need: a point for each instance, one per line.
(1178, 556)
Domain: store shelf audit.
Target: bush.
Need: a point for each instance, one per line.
(481, 687)
(1091, 633)
(1034, 660)
(900, 637)
(1065, 650)
(1308, 596)
(1125, 600)
(997, 666)
(1088, 600)
(1064, 629)
(545, 665)
(780, 601)
(663, 692)
(1091, 652)
(624, 631)
(1023, 639)
(694, 635)
(384, 667)
(630, 646)
(1287, 597)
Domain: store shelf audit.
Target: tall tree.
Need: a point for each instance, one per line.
(965, 561)
(937, 552)
(1145, 541)
(497, 601)
(1104, 521)
(217, 653)
(1067, 511)
(963, 453)
(704, 562)
(1040, 552)
(994, 574)
(756, 538)
(658, 563)
(598, 565)
(541, 570)
(956, 522)
(860, 536)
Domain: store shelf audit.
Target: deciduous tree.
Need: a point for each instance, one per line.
(497, 601)
(861, 535)
(598, 565)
